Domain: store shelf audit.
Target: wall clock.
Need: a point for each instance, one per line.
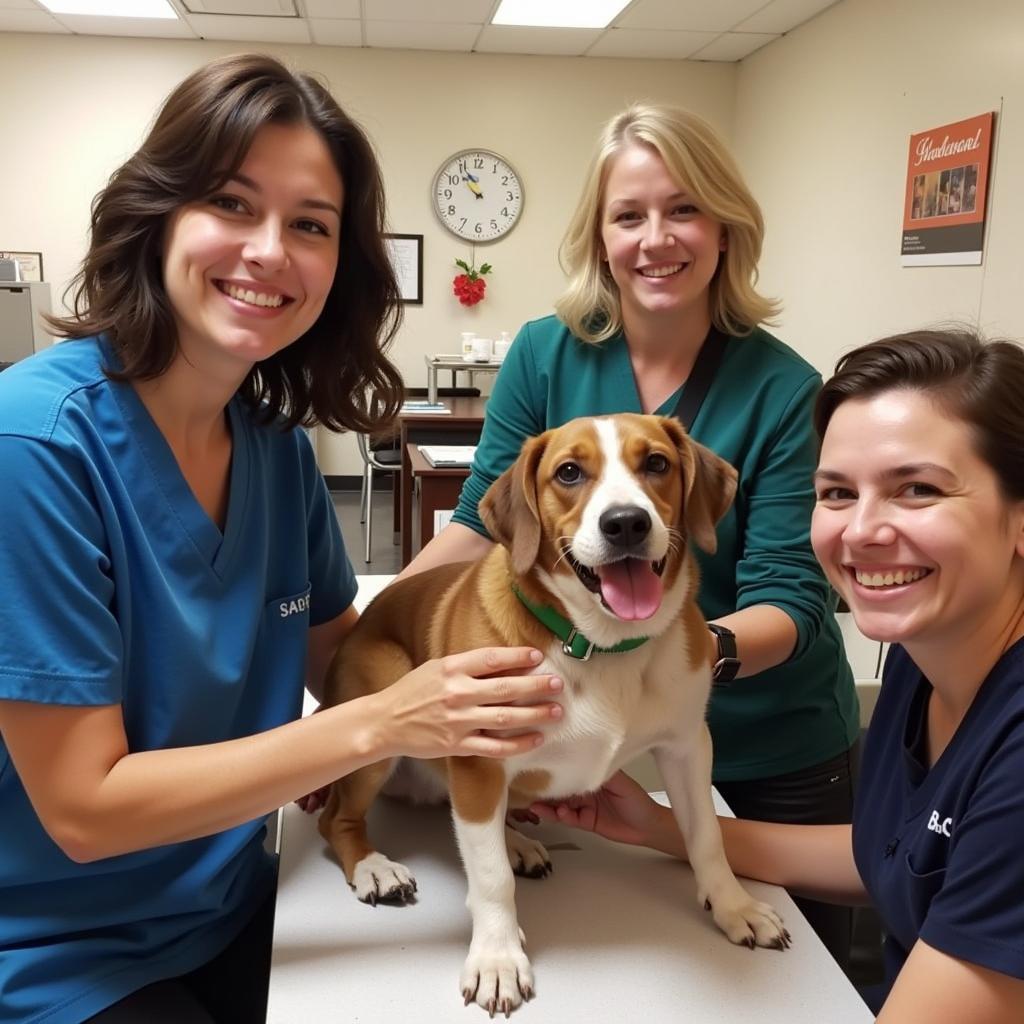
(477, 195)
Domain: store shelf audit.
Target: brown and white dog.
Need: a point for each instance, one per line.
(592, 522)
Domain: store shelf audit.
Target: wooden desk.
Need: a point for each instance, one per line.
(461, 426)
(434, 487)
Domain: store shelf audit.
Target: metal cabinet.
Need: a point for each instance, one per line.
(22, 332)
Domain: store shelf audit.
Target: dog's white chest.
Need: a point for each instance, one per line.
(615, 708)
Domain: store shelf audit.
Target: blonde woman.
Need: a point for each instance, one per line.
(661, 256)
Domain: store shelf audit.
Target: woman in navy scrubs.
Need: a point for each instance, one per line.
(919, 524)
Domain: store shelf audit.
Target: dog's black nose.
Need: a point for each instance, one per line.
(625, 526)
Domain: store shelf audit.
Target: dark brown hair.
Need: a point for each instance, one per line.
(336, 373)
(979, 382)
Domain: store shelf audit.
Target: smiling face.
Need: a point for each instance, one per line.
(661, 250)
(910, 524)
(248, 269)
(600, 511)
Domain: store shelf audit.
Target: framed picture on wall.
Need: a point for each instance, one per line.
(30, 264)
(406, 254)
(945, 192)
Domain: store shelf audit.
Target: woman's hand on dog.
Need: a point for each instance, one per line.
(621, 810)
(468, 704)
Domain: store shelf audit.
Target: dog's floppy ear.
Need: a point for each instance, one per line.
(710, 486)
(509, 508)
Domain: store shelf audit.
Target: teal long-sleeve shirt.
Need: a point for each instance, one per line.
(757, 416)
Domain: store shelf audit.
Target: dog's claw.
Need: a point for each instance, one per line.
(707, 904)
(491, 1007)
(506, 1008)
(749, 942)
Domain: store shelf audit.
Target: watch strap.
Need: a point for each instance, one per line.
(727, 665)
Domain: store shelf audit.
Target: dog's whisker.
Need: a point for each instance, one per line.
(564, 544)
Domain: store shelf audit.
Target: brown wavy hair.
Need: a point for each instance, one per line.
(973, 380)
(335, 374)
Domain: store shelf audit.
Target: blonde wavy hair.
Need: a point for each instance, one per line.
(698, 160)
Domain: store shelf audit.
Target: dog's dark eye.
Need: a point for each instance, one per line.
(656, 463)
(569, 473)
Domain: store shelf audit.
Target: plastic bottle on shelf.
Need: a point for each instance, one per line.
(467, 345)
(501, 346)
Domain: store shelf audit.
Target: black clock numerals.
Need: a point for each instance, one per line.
(477, 196)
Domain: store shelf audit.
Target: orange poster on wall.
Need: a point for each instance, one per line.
(947, 186)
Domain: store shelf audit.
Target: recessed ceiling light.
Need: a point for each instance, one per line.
(558, 13)
(112, 8)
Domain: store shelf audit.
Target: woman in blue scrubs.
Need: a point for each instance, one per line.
(919, 524)
(172, 568)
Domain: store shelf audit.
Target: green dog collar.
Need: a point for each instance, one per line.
(574, 643)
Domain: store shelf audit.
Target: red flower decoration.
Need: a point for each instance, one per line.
(469, 287)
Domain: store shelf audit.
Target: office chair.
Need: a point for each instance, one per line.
(384, 456)
(380, 457)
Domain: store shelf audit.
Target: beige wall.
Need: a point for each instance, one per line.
(820, 120)
(83, 105)
(822, 127)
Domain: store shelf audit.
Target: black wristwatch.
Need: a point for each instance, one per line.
(728, 665)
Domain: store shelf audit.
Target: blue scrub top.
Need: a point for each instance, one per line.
(119, 589)
(939, 849)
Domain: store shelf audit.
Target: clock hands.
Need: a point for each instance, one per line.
(486, 176)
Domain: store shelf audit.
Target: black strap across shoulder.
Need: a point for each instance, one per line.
(703, 373)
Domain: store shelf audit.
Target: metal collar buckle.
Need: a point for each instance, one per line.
(567, 646)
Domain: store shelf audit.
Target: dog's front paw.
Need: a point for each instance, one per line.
(746, 921)
(526, 855)
(497, 975)
(376, 879)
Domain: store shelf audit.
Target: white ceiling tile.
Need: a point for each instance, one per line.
(688, 15)
(29, 21)
(567, 42)
(20, 5)
(402, 35)
(638, 42)
(251, 30)
(95, 25)
(331, 9)
(269, 8)
(335, 32)
(783, 15)
(734, 46)
(456, 11)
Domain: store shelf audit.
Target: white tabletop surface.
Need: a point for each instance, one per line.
(614, 935)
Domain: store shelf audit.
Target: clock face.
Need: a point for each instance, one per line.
(477, 195)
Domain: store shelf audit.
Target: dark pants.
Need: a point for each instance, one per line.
(229, 989)
(819, 795)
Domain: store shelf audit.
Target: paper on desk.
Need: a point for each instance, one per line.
(448, 454)
(428, 407)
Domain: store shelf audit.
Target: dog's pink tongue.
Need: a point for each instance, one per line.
(630, 588)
